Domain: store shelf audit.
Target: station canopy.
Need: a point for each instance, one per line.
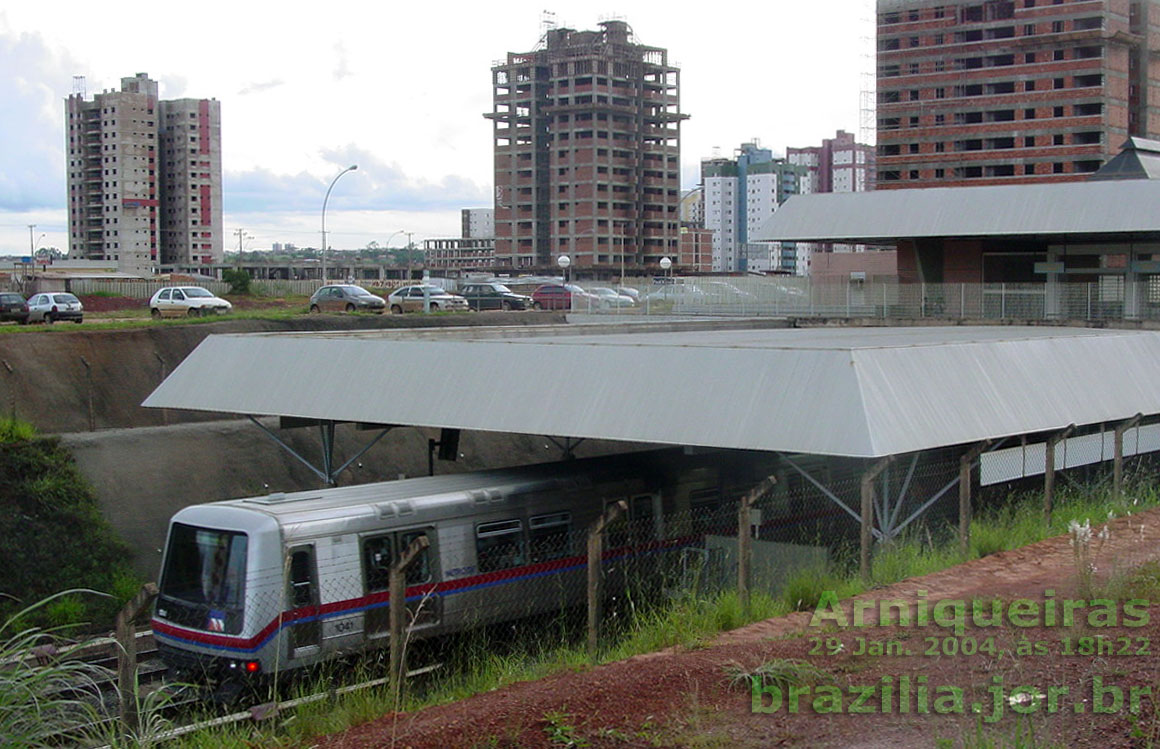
(1122, 210)
(855, 392)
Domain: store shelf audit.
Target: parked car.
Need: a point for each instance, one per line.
(346, 298)
(411, 299)
(55, 305)
(13, 307)
(610, 298)
(562, 296)
(186, 301)
(493, 295)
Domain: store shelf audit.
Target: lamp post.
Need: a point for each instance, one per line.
(350, 168)
(564, 261)
(666, 264)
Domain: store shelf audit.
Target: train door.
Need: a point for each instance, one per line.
(381, 551)
(642, 524)
(302, 582)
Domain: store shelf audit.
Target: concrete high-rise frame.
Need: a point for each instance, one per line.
(975, 92)
(587, 152)
(144, 178)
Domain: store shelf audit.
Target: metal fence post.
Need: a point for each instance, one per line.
(595, 556)
(398, 608)
(127, 654)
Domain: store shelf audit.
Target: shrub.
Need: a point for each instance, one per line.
(53, 536)
(238, 279)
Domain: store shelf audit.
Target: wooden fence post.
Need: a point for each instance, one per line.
(595, 556)
(1049, 471)
(398, 608)
(745, 540)
(1118, 463)
(127, 654)
(965, 463)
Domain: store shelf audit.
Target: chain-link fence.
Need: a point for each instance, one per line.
(1108, 299)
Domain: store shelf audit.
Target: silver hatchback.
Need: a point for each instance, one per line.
(51, 306)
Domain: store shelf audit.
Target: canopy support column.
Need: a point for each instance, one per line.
(868, 512)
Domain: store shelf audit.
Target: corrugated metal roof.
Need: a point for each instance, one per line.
(1092, 208)
(859, 392)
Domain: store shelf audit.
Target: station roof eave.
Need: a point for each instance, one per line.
(853, 392)
(1118, 210)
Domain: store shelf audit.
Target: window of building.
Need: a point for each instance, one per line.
(1057, 27)
(940, 147)
(1028, 29)
(1057, 139)
(939, 173)
(914, 148)
(1029, 141)
(1029, 57)
(1058, 82)
(1057, 112)
(940, 119)
(914, 174)
(1057, 167)
(1029, 114)
(914, 121)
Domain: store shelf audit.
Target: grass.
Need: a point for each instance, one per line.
(692, 620)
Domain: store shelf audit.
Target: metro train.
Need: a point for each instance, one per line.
(283, 581)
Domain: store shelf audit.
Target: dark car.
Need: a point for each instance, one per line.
(491, 295)
(13, 307)
(558, 296)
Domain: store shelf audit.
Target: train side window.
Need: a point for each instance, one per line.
(377, 560)
(499, 545)
(420, 569)
(550, 536)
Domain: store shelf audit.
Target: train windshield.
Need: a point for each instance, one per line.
(203, 582)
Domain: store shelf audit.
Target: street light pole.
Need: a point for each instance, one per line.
(31, 241)
(350, 168)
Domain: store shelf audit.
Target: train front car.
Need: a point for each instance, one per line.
(217, 617)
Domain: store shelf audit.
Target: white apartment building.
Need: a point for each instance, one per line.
(478, 223)
(144, 189)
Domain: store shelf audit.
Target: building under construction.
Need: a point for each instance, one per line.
(976, 92)
(587, 153)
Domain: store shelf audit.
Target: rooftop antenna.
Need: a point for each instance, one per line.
(547, 23)
(79, 86)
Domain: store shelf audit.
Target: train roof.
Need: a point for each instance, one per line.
(440, 496)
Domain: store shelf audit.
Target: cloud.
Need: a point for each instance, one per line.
(258, 87)
(32, 150)
(342, 70)
(375, 186)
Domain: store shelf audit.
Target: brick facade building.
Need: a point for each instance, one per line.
(974, 92)
(586, 134)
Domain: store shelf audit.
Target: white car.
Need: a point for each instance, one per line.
(186, 301)
(610, 298)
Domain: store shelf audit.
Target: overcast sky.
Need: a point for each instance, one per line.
(397, 88)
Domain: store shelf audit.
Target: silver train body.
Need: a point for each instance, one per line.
(279, 582)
